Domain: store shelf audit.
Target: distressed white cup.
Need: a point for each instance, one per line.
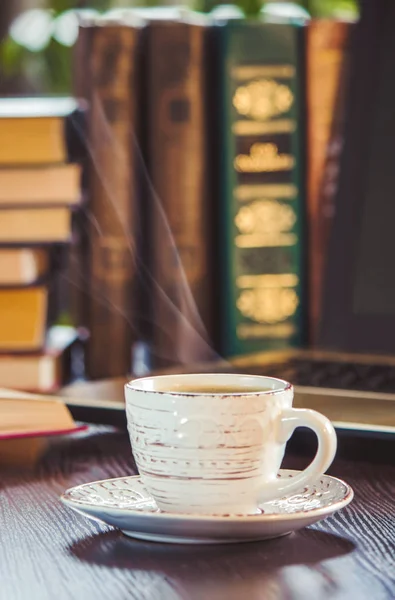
(219, 453)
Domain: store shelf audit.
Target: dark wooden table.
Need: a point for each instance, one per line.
(47, 552)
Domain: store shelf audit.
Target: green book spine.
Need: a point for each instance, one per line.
(261, 186)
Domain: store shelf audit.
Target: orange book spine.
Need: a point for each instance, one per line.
(326, 51)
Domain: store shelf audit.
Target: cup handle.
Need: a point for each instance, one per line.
(290, 419)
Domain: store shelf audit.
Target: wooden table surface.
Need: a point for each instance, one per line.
(48, 552)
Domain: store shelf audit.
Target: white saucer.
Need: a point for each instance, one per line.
(124, 503)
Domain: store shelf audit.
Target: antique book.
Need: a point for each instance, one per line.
(44, 371)
(181, 206)
(81, 73)
(32, 130)
(42, 185)
(260, 77)
(113, 125)
(78, 265)
(38, 225)
(22, 266)
(327, 45)
(23, 318)
(26, 421)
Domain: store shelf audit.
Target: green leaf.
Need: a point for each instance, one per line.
(58, 59)
(12, 55)
(60, 6)
(64, 319)
(251, 8)
(330, 8)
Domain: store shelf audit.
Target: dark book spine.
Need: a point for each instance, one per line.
(112, 198)
(77, 271)
(327, 44)
(179, 161)
(261, 191)
(81, 53)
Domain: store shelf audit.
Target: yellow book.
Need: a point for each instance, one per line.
(22, 266)
(35, 225)
(32, 130)
(40, 185)
(23, 318)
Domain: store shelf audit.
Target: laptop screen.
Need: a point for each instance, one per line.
(359, 290)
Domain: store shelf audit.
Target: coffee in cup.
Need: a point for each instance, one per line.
(213, 443)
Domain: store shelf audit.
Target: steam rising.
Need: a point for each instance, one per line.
(190, 342)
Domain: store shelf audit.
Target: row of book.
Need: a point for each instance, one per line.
(209, 144)
(39, 189)
(214, 153)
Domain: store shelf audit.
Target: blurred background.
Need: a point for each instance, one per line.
(37, 36)
(187, 183)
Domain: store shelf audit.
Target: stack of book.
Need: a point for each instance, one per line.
(39, 188)
(210, 140)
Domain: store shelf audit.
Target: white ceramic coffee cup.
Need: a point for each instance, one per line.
(219, 453)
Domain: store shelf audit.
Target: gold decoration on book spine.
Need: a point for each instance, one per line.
(115, 259)
(248, 127)
(265, 216)
(274, 190)
(265, 305)
(267, 280)
(263, 158)
(263, 99)
(246, 72)
(258, 330)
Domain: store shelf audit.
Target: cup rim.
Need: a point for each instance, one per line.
(283, 385)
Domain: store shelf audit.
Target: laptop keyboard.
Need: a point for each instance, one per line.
(328, 374)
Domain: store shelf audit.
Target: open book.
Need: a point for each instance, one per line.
(32, 415)
(26, 420)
